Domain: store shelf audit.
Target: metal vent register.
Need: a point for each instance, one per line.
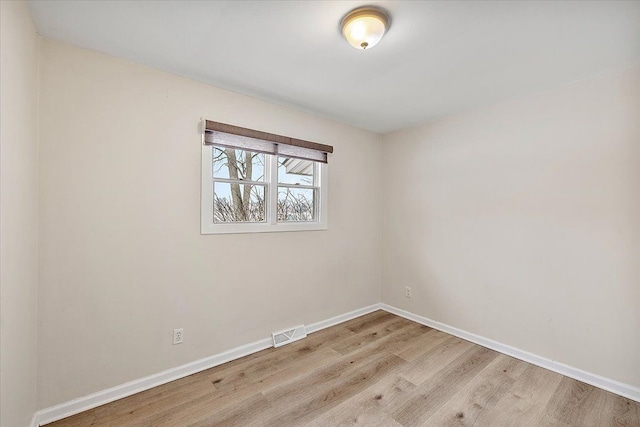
(289, 335)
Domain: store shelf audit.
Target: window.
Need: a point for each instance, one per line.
(258, 182)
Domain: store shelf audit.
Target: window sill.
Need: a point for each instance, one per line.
(261, 228)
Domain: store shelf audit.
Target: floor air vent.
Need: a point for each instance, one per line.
(289, 335)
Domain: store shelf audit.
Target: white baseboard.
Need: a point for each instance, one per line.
(63, 410)
(34, 420)
(622, 389)
(323, 324)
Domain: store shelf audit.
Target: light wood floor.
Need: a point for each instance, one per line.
(376, 370)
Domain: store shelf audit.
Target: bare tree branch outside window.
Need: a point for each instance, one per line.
(241, 199)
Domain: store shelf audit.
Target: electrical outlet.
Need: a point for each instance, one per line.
(178, 335)
(407, 292)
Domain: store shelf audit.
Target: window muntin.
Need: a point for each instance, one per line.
(239, 192)
(297, 189)
(248, 191)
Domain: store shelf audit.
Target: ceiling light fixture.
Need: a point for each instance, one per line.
(364, 27)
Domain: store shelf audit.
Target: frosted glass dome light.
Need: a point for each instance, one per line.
(364, 27)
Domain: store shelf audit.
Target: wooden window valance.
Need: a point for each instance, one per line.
(216, 133)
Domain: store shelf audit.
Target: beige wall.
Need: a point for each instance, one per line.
(121, 256)
(18, 214)
(521, 223)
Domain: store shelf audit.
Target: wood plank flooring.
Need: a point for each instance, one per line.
(376, 370)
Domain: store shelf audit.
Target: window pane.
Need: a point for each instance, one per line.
(295, 171)
(238, 164)
(296, 204)
(238, 202)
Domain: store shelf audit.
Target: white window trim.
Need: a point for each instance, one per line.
(207, 226)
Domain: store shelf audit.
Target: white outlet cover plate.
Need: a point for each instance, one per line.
(178, 336)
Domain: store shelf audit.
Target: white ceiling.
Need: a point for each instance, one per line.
(439, 57)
